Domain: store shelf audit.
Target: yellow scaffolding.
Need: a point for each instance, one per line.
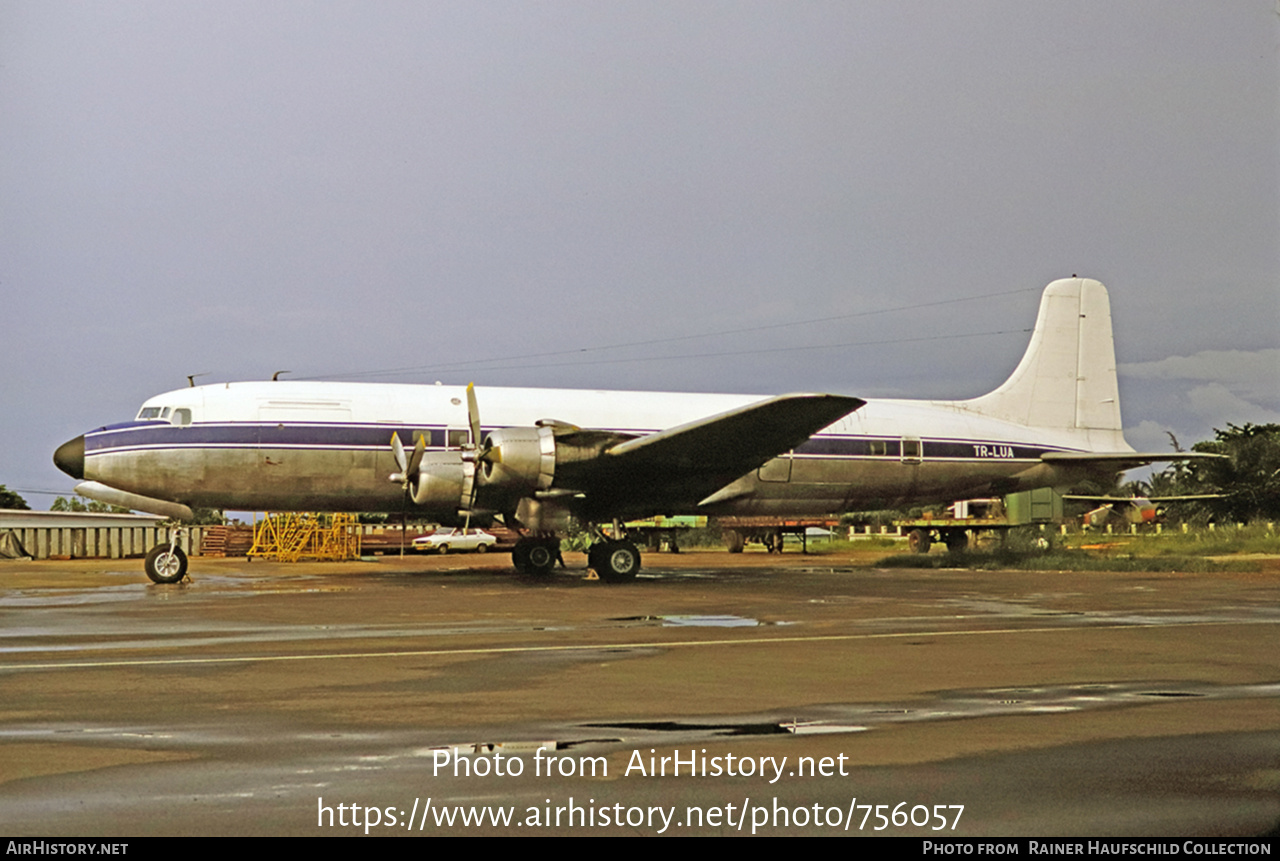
(294, 536)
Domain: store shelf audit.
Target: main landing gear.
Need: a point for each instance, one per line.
(614, 561)
(536, 556)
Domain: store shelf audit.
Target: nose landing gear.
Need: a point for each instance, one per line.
(166, 563)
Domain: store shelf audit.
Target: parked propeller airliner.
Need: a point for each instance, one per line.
(543, 456)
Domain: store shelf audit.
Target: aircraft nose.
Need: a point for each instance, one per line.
(70, 457)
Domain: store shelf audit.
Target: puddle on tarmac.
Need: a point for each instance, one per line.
(708, 622)
(698, 621)
(946, 705)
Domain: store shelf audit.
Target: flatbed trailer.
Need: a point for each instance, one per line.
(662, 533)
(954, 532)
(740, 531)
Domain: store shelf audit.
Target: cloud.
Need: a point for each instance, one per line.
(1152, 436)
(1191, 395)
(1249, 374)
(1218, 403)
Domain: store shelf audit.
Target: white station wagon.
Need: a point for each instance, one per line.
(450, 540)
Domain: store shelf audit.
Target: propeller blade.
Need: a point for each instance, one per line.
(473, 414)
(397, 450)
(484, 449)
(408, 464)
(415, 459)
(473, 419)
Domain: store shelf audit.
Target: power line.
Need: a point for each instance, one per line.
(580, 351)
(761, 351)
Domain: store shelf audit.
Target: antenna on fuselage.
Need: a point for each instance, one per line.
(276, 376)
(191, 378)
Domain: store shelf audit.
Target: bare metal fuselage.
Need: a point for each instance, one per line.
(310, 446)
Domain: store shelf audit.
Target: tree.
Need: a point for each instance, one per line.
(206, 517)
(10, 499)
(77, 504)
(1248, 476)
(200, 516)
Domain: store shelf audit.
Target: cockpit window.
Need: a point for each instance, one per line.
(179, 416)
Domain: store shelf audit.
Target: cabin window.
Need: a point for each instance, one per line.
(877, 448)
(459, 438)
(911, 449)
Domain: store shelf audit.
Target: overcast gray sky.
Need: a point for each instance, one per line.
(402, 188)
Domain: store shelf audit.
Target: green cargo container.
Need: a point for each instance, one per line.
(1042, 505)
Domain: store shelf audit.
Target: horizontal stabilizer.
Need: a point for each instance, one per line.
(1187, 498)
(1122, 459)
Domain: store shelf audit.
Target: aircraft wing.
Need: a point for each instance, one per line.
(684, 464)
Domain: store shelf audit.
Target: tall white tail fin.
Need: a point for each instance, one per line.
(1067, 378)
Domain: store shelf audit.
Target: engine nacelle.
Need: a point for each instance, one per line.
(519, 461)
(443, 481)
(540, 516)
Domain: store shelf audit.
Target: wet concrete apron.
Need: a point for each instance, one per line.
(255, 696)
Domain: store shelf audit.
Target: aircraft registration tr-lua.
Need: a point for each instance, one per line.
(539, 458)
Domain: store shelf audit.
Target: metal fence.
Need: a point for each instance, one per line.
(104, 542)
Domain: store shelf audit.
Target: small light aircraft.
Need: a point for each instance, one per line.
(1133, 510)
(543, 457)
